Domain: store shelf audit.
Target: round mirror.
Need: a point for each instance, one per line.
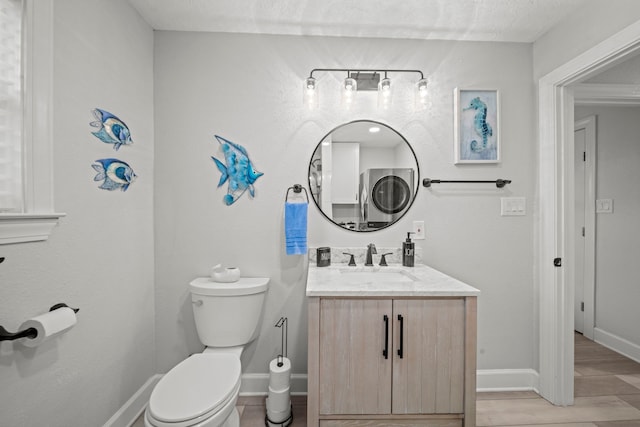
(363, 175)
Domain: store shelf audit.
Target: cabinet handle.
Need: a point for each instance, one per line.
(400, 350)
(385, 352)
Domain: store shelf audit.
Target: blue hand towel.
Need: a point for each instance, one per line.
(295, 228)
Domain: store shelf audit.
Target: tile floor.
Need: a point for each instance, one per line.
(607, 394)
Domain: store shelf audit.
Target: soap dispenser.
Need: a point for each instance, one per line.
(408, 251)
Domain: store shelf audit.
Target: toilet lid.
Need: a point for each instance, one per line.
(198, 385)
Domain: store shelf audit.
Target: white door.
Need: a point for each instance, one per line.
(579, 167)
(585, 223)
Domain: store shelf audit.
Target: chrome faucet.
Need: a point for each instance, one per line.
(371, 249)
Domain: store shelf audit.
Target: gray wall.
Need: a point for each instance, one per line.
(100, 257)
(625, 73)
(590, 25)
(617, 234)
(248, 89)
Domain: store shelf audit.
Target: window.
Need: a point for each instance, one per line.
(26, 190)
(10, 106)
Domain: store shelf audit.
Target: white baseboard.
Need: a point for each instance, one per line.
(132, 409)
(487, 380)
(258, 384)
(617, 344)
(507, 380)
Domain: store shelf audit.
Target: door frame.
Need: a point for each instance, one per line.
(555, 211)
(589, 263)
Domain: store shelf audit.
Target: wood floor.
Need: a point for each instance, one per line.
(607, 394)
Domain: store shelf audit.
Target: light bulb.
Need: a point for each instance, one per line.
(421, 94)
(384, 93)
(349, 90)
(310, 93)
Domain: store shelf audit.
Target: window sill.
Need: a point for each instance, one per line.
(21, 228)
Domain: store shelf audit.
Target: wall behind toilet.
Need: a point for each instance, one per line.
(248, 89)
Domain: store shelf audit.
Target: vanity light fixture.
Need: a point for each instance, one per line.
(365, 80)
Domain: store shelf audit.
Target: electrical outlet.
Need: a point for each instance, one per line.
(418, 230)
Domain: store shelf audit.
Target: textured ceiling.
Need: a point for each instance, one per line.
(484, 20)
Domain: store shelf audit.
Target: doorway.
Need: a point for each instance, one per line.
(556, 211)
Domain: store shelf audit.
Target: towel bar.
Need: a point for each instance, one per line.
(498, 182)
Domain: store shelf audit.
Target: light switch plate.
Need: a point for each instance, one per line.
(604, 206)
(513, 206)
(418, 230)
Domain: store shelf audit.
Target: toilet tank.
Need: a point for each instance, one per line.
(227, 314)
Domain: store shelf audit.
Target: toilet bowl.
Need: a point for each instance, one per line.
(202, 390)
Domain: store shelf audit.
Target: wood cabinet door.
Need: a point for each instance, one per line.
(354, 375)
(429, 378)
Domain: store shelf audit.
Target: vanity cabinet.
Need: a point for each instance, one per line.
(401, 361)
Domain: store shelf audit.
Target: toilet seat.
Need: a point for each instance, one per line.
(195, 390)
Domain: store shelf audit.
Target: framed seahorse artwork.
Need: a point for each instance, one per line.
(476, 126)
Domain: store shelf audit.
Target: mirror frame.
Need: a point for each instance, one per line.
(416, 185)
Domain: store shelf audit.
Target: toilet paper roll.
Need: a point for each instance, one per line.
(278, 416)
(279, 376)
(278, 400)
(48, 325)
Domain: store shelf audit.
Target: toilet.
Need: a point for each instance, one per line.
(202, 390)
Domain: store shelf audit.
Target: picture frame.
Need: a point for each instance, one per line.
(476, 126)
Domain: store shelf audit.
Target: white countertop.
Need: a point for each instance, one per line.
(394, 280)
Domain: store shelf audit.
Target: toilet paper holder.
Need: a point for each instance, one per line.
(285, 423)
(283, 324)
(29, 332)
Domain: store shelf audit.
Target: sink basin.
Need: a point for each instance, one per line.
(379, 275)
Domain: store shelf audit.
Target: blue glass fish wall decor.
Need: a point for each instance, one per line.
(114, 174)
(237, 169)
(111, 130)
